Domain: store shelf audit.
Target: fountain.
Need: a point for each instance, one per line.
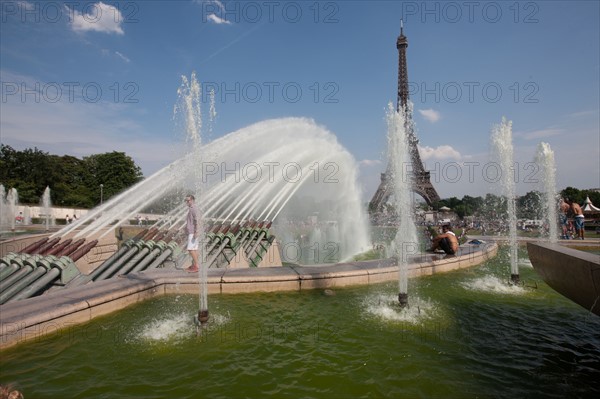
(305, 343)
(299, 343)
(46, 204)
(545, 160)
(405, 241)
(12, 198)
(189, 107)
(8, 208)
(502, 153)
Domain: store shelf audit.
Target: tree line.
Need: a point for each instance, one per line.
(529, 206)
(76, 182)
(73, 182)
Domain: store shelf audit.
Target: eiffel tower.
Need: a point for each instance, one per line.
(421, 178)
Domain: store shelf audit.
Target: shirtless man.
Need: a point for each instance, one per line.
(578, 219)
(562, 217)
(446, 241)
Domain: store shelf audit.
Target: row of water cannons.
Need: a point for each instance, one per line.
(50, 263)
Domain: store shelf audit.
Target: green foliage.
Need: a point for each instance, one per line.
(73, 181)
(114, 170)
(530, 206)
(579, 196)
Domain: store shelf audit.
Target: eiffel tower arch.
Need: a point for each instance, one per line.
(421, 181)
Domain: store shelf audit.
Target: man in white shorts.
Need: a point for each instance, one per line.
(192, 230)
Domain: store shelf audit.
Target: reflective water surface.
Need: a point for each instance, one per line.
(466, 334)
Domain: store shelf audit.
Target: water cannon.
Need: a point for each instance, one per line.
(32, 247)
(41, 249)
(57, 249)
(71, 247)
(202, 318)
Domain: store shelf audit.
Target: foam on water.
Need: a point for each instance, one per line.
(385, 307)
(167, 328)
(493, 284)
(175, 327)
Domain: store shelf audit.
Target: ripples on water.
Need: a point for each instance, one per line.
(466, 333)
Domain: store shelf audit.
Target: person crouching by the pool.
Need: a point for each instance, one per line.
(192, 229)
(446, 241)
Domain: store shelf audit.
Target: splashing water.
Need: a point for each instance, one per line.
(502, 153)
(189, 102)
(405, 242)
(493, 284)
(12, 199)
(385, 307)
(545, 160)
(4, 218)
(266, 171)
(47, 208)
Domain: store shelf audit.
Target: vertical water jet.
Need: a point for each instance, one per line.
(545, 160)
(401, 178)
(502, 149)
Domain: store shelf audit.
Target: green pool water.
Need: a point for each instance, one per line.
(466, 334)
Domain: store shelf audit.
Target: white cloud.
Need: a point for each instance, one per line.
(127, 60)
(539, 134)
(78, 128)
(212, 17)
(100, 18)
(369, 162)
(430, 114)
(440, 152)
(218, 20)
(583, 114)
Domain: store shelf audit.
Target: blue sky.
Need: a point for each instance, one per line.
(82, 77)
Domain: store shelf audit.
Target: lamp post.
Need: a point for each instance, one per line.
(101, 193)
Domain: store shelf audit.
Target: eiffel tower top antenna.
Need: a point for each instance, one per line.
(401, 45)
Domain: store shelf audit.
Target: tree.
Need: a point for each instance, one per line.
(73, 182)
(116, 171)
(530, 206)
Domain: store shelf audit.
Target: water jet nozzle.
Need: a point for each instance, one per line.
(203, 316)
(403, 299)
(514, 279)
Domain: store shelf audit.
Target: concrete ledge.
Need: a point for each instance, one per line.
(35, 317)
(572, 273)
